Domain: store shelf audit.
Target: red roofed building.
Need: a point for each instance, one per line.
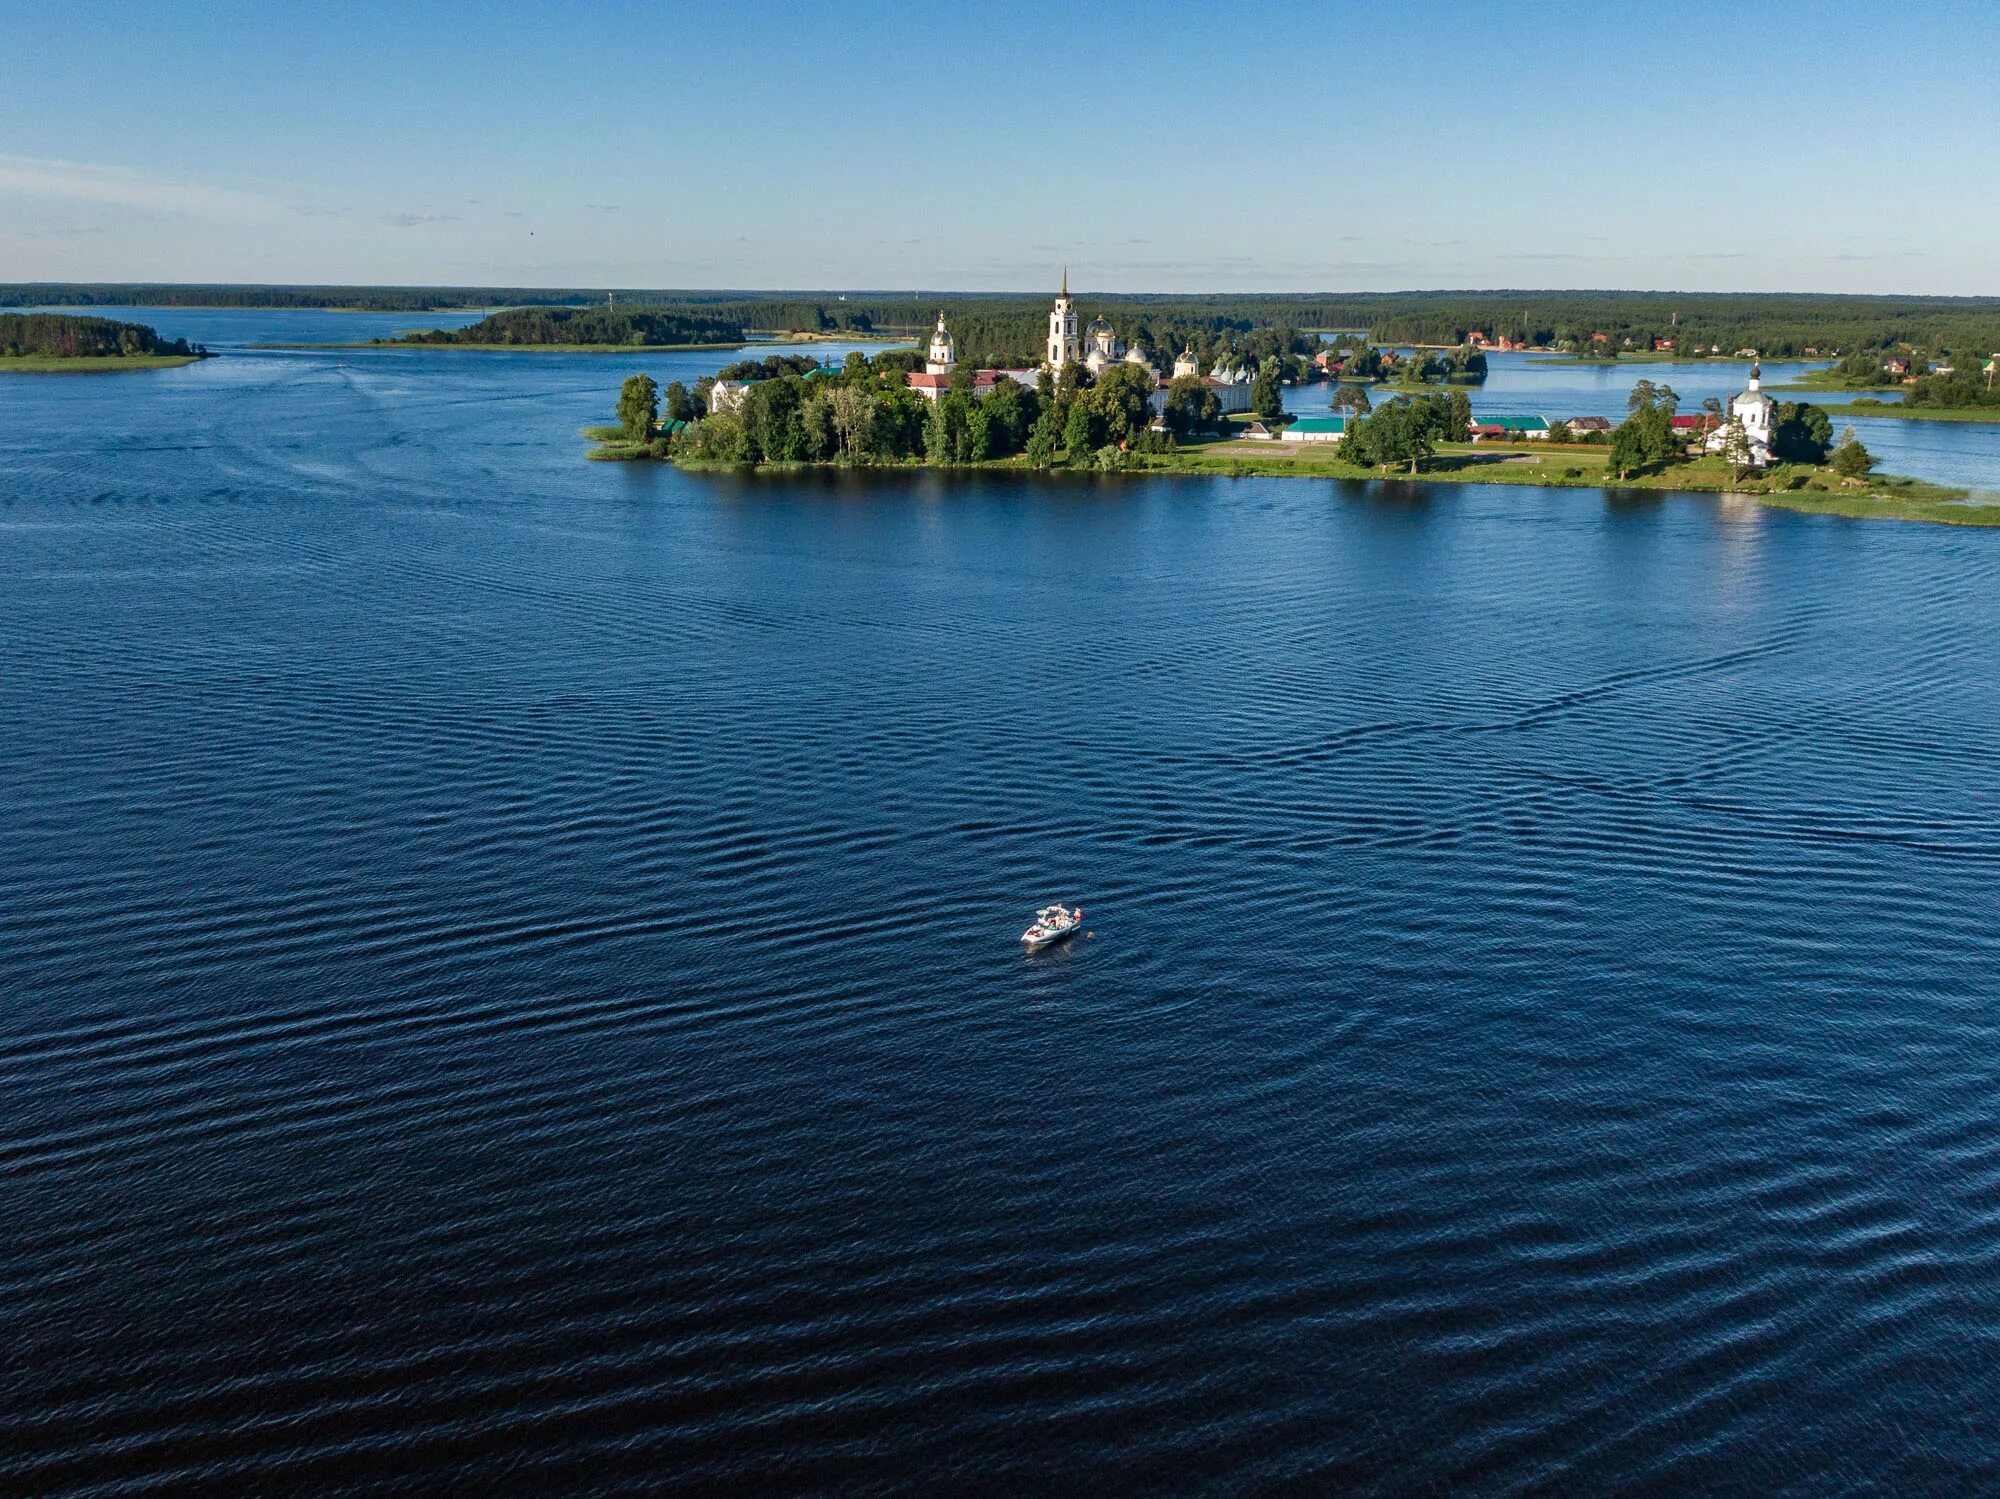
(933, 387)
(933, 381)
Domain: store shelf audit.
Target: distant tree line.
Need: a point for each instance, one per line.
(362, 298)
(62, 336)
(999, 328)
(1011, 329)
(639, 327)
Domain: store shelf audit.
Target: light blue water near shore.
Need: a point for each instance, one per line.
(508, 975)
(1959, 453)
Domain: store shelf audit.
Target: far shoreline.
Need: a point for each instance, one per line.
(721, 348)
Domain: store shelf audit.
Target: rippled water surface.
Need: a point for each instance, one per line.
(508, 972)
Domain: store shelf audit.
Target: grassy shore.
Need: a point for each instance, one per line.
(46, 364)
(1580, 466)
(1538, 464)
(1825, 382)
(1897, 411)
(613, 446)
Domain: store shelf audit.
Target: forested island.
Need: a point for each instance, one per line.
(583, 328)
(789, 412)
(58, 341)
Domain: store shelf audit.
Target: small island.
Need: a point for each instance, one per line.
(50, 342)
(575, 330)
(1214, 416)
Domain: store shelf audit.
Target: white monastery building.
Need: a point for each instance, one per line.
(1096, 349)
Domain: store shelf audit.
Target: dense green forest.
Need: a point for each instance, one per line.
(60, 336)
(1007, 328)
(1000, 330)
(640, 327)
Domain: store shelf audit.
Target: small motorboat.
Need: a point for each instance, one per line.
(1052, 924)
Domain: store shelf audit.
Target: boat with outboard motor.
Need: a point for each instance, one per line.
(1052, 924)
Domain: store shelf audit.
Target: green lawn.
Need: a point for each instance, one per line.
(95, 364)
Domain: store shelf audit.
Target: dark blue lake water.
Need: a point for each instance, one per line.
(508, 974)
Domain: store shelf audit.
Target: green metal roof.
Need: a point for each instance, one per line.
(1319, 424)
(1513, 423)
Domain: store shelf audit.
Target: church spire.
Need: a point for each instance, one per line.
(1065, 290)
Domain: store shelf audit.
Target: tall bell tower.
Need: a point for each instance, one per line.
(943, 353)
(1064, 345)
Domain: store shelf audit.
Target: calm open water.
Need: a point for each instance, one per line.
(508, 974)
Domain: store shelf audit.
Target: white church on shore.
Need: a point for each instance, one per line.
(1757, 414)
(1096, 349)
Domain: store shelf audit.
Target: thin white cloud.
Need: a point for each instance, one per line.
(29, 176)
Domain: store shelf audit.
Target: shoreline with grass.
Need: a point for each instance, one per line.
(92, 364)
(1899, 411)
(1816, 490)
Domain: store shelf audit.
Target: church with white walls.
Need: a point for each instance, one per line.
(1096, 348)
(1757, 414)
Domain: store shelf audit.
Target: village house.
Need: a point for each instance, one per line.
(1511, 428)
(728, 395)
(1583, 426)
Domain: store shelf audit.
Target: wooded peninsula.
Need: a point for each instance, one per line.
(55, 341)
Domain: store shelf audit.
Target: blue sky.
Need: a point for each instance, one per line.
(1330, 146)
